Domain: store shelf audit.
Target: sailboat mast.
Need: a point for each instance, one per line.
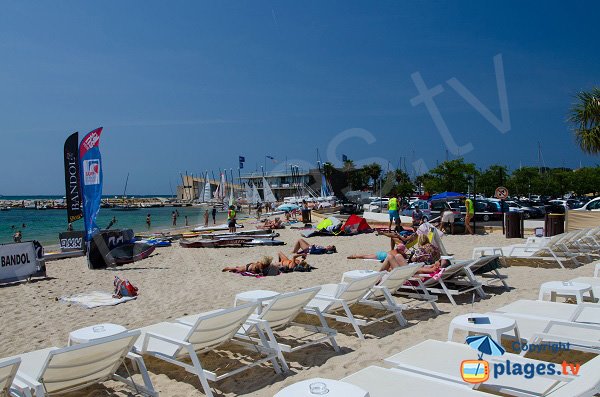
(125, 190)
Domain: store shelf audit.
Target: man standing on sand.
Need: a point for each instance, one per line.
(393, 212)
(231, 219)
(214, 215)
(469, 215)
(206, 218)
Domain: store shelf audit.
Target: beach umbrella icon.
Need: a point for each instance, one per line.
(485, 345)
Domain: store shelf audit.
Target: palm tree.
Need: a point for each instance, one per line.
(373, 170)
(585, 120)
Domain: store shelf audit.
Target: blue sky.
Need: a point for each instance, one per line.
(191, 85)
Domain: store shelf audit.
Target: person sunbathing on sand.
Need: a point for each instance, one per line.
(399, 238)
(287, 263)
(254, 267)
(303, 247)
(274, 224)
(381, 256)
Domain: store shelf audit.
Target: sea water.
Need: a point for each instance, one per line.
(45, 225)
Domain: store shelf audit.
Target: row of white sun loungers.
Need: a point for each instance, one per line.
(432, 367)
(58, 370)
(571, 246)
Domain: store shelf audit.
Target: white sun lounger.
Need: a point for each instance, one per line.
(279, 314)
(382, 382)
(582, 313)
(174, 341)
(449, 355)
(553, 248)
(381, 294)
(454, 280)
(476, 266)
(538, 330)
(334, 301)
(55, 371)
(8, 384)
(593, 281)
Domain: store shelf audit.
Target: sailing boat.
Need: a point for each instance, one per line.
(206, 192)
(255, 195)
(125, 206)
(267, 192)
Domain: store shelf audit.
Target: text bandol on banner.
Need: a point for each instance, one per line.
(19, 261)
(72, 178)
(91, 180)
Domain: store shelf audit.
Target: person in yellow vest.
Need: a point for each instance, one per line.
(393, 212)
(469, 215)
(231, 219)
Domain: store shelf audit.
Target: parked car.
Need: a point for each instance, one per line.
(593, 205)
(431, 209)
(377, 205)
(349, 208)
(559, 206)
(528, 212)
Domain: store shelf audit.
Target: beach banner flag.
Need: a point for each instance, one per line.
(91, 180)
(72, 178)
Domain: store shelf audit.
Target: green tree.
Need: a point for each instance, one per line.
(585, 120)
(524, 181)
(404, 186)
(373, 171)
(493, 177)
(449, 176)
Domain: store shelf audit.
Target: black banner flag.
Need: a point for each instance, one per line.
(72, 178)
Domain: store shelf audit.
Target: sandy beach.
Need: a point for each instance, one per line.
(175, 282)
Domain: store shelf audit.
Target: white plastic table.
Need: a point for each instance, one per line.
(498, 325)
(256, 296)
(87, 334)
(322, 387)
(566, 288)
(356, 274)
(481, 251)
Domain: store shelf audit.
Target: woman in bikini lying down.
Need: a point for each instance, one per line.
(303, 247)
(254, 267)
(298, 262)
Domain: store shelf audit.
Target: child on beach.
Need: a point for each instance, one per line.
(206, 218)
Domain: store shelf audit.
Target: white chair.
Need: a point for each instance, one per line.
(582, 313)
(8, 384)
(381, 295)
(54, 371)
(454, 280)
(383, 382)
(553, 249)
(476, 267)
(334, 301)
(449, 355)
(279, 314)
(173, 341)
(593, 281)
(537, 330)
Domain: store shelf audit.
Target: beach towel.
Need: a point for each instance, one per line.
(250, 274)
(94, 299)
